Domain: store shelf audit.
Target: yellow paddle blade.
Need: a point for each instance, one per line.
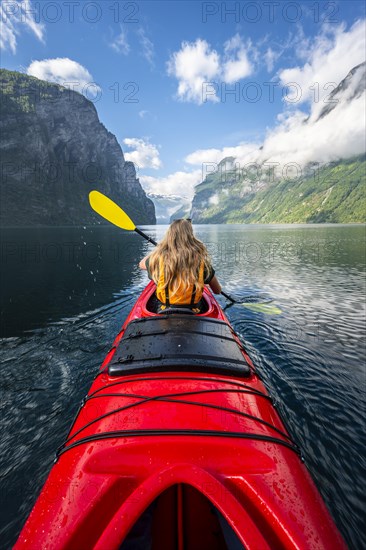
(110, 211)
(269, 309)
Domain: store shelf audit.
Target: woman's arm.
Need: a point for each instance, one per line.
(215, 285)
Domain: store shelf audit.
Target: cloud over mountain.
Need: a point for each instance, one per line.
(331, 81)
(179, 183)
(328, 59)
(66, 72)
(144, 154)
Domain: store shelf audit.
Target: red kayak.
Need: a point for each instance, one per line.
(178, 446)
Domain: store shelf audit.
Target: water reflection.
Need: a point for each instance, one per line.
(56, 272)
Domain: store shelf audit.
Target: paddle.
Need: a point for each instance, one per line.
(113, 213)
(110, 211)
(266, 307)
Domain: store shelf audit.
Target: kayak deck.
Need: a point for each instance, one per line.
(186, 456)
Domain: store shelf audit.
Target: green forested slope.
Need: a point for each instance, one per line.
(334, 194)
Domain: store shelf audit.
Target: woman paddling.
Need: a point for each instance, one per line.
(180, 267)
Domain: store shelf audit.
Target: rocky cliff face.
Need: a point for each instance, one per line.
(54, 150)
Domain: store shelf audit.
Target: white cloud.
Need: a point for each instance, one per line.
(338, 134)
(66, 72)
(8, 34)
(270, 57)
(194, 64)
(214, 200)
(144, 154)
(147, 46)
(237, 65)
(28, 20)
(199, 68)
(142, 114)
(120, 43)
(14, 16)
(179, 183)
(330, 56)
(203, 156)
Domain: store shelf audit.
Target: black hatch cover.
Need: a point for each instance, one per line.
(178, 342)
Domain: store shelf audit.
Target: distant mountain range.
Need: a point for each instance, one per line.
(54, 150)
(166, 207)
(182, 212)
(323, 192)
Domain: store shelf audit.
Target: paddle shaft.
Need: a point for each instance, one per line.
(146, 236)
(229, 297)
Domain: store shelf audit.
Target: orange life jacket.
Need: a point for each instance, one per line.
(185, 295)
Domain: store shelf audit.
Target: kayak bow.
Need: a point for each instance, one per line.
(178, 445)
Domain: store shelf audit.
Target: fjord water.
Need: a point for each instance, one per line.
(66, 292)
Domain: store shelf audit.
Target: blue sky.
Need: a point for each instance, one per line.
(149, 60)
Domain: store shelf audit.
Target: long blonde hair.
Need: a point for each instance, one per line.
(182, 255)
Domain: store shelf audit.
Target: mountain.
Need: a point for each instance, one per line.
(54, 151)
(333, 194)
(323, 191)
(348, 89)
(167, 205)
(182, 212)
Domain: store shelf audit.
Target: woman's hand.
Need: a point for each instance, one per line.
(142, 264)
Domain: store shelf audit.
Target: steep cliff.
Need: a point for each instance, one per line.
(54, 150)
(348, 89)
